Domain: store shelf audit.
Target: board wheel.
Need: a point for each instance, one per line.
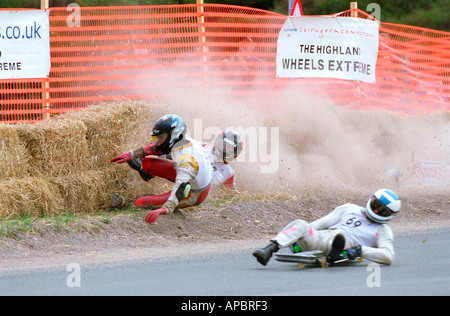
(323, 262)
(300, 265)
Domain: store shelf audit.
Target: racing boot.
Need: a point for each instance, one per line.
(264, 254)
(337, 247)
(136, 164)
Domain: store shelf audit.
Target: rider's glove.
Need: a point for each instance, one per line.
(353, 253)
(140, 152)
(153, 215)
(125, 157)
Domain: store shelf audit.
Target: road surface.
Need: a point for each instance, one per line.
(421, 267)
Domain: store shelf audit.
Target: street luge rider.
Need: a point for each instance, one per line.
(227, 146)
(348, 232)
(188, 167)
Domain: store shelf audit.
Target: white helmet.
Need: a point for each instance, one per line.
(228, 145)
(383, 205)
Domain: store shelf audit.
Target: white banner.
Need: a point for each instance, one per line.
(328, 47)
(24, 44)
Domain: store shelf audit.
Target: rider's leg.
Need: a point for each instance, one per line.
(160, 167)
(152, 201)
(294, 231)
(336, 248)
(165, 168)
(136, 164)
(298, 229)
(157, 201)
(307, 238)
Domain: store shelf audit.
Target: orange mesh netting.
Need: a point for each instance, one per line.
(118, 53)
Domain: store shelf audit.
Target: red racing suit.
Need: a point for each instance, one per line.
(188, 165)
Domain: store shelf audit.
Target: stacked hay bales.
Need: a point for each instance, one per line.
(13, 153)
(63, 164)
(29, 195)
(55, 148)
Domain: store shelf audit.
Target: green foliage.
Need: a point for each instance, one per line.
(424, 13)
(436, 16)
(20, 4)
(14, 227)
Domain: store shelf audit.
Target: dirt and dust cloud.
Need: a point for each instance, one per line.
(300, 143)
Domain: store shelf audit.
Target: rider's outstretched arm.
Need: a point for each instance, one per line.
(384, 253)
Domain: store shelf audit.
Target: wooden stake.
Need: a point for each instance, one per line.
(46, 83)
(44, 4)
(201, 30)
(354, 6)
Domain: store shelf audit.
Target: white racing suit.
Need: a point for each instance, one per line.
(188, 164)
(348, 220)
(223, 174)
(192, 166)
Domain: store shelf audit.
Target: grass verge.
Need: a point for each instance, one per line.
(61, 223)
(91, 222)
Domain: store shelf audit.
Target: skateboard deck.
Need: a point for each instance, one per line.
(307, 257)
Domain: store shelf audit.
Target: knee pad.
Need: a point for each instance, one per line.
(183, 191)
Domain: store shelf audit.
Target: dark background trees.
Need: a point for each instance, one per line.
(434, 14)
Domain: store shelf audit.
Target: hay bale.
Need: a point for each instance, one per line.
(13, 153)
(28, 196)
(83, 192)
(129, 184)
(109, 126)
(56, 147)
(63, 164)
(91, 191)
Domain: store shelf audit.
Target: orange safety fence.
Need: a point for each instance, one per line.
(139, 52)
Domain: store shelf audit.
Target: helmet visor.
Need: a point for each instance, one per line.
(226, 153)
(379, 208)
(158, 140)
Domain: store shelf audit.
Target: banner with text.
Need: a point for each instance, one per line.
(328, 47)
(24, 44)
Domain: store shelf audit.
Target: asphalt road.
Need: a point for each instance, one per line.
(421, 267)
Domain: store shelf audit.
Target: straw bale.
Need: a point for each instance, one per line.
(110, 126)
(84, 192)
(91, 191)
(13, 153)
(28, 196)
(129, 184)
(80, 192)
(56, 147)
(63, 164)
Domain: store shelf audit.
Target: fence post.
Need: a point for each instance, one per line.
(46, 92)
(201, 30)
(290, 5)
(354, 14)
(354, 6)
(44, 4)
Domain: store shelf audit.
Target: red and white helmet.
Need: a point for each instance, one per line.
(383, 206)
(228, 145)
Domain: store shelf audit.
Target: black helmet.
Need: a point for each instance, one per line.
(168, 130)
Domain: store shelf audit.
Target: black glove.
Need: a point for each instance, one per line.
(353, 253)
